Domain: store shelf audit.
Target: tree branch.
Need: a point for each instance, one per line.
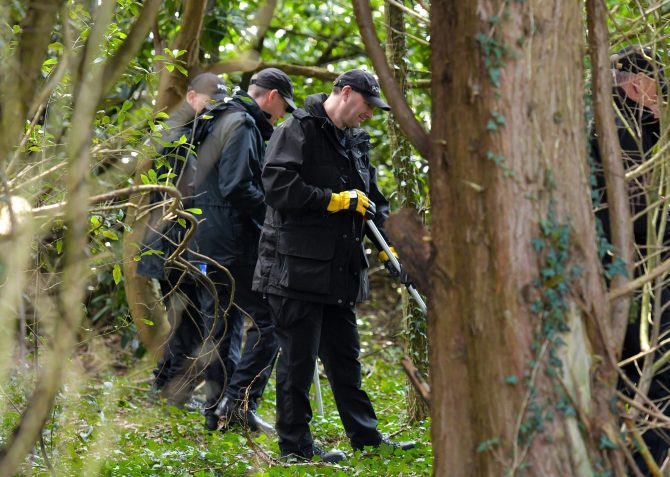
(401, 110)
(173, 84)
(35, 38)
(131, 45)
(74, 272)
(610, 154)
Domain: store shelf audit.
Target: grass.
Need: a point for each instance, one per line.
(111, 424)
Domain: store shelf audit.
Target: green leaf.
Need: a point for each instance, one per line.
(194, 211)
(488, 444)
(148, 322)
(110, 234)
(116, 273)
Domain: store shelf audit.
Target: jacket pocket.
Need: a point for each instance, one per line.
(306, 259)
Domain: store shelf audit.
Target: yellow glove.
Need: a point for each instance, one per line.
(354, 200)
(395, 273)
(383, 256)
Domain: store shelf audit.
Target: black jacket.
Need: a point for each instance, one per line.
(161, 234)
(228, 185)
(306, 252)
(638, 132)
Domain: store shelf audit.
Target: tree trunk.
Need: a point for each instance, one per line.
(144, 301)
(519, 364)
(416, 341)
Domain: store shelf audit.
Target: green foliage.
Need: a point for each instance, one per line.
(114, 425)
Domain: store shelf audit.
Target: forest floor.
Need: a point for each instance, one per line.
(108, 422)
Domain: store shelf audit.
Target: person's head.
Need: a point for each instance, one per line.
(355, 95)
(272, 89)
(203, 89)
(635, 71)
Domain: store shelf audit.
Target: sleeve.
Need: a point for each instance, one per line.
(285, 189)
(236, 167)
(383, 209)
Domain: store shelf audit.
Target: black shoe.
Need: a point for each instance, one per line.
(232, 414)
(306, 455)
(211, 422)
(255, 423)
(386, 441)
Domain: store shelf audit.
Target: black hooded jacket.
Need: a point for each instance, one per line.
(162, 234)
(305, 252)
(638, 132)
(228, 185)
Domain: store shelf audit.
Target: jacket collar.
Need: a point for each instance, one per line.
(246, 103)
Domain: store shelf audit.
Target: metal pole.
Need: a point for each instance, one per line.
(396, 264)
(317, 389)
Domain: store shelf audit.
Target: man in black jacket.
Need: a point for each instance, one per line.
(230, 193)
(319, 188)
(174, 375)
(635, 72)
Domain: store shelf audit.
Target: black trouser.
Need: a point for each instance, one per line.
(223, 334)
(260, 349)
(177, 370)
(303, 330)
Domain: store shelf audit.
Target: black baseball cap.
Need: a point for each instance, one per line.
(364, 83)
(209, 84)
(274, 78)
(637, 59)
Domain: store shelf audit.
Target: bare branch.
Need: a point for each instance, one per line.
(631, 285)
(610, 153)
(409, 11)
(71, 292)
(401, 110)
(173, 84)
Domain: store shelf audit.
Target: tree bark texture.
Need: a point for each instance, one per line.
(520, 373)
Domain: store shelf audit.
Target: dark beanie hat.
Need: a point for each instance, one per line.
(209, 84)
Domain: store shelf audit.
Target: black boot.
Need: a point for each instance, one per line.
(386, 441)
(211, 422)
(233, 414)
(306, 455)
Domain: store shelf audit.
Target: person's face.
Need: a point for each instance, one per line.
(273, 104)
(648, 93)
(355, 109)
(198, 101)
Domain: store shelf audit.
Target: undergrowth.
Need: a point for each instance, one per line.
(111, 424)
